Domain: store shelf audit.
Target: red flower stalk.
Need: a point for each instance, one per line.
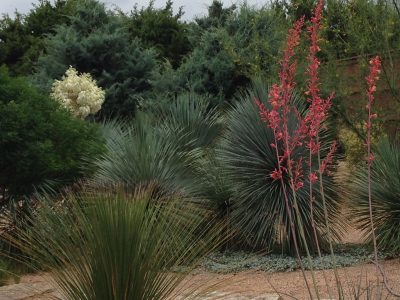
(313, 177)
(308, 127)
(373, 76)
(298, 174)
(313, 84)
(280, 98)
(318, 110)
(288, 68)
(328, 159)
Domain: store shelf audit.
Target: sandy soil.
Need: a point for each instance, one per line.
(363, 280)
(292, 285)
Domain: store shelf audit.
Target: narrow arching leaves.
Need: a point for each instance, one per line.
(117, 243)
(385, 192)
(258, 209)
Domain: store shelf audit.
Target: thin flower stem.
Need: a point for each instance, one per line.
(371, 218)
(292, 229)
(315, 229)
(298, 217)
(385, 282)
(312, 209)
(326, 217)
(371, 78)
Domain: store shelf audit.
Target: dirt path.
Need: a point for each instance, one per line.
(288, 284)
(292, 285)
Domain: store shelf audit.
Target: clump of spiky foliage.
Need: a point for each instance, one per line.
(161, 145)
(138, 154)
(385, 192)
(190, 121)
(258, 207)
(116, 243)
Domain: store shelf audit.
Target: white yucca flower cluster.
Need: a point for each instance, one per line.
(78, 93)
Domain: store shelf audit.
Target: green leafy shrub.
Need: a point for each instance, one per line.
(22, 37)
(353, 146)
(96, 42)
(256, 39)
(39, 141)
(160, 29)
(230, 46)
(385, 189)
(210, 69)
(217, 15)
(258, 208)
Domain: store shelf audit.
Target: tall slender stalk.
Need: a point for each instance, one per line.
(298, 217)
(277, 118)
(293, 231)
(326, 217)
(318, 111)
(313, 224)
(371, 78)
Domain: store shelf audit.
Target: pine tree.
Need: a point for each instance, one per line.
(96, 42)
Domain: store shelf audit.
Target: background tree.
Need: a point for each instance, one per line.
(210, 69)
(217, 15)
(22, 38)
(96, 42)
(160, 29)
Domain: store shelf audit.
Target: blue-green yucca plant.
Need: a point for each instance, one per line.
(116, 243)
(137, 154)
(385, 195)
(190, 121)
(160, 146)
(258, 207)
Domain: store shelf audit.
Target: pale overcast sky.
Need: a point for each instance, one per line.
(191, 7)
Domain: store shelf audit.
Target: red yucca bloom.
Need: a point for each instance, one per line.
(373, 76)
(280, 99)
(319, 107)
(328, 159)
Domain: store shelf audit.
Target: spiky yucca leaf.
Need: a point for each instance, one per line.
(258, 211)
(137, 153)
(190, 122)
(116, 243)
(385, 189)
(161, 146)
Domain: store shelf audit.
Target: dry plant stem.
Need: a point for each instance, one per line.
(371, 219)
(387, 287)
(298, 218)
(287, 206)
(375, 70)
(315, 229)
(328, 231)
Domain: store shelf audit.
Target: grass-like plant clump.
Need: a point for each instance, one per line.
(116, 243)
